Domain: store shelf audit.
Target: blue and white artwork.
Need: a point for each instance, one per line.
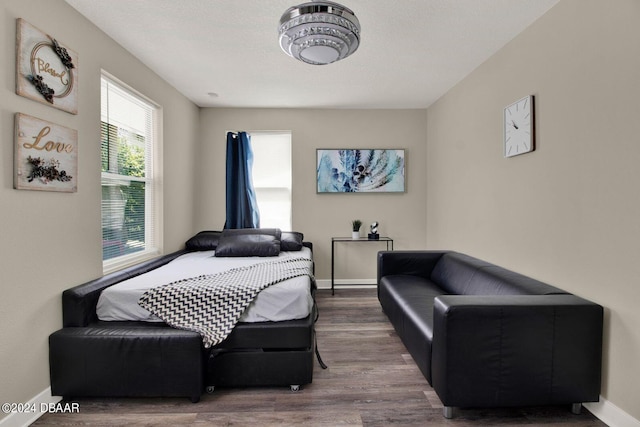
(360, 171)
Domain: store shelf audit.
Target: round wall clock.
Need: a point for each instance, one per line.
(519, 127)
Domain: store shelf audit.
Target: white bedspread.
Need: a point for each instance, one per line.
(287, 300)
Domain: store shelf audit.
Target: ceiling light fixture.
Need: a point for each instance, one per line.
(319, 32)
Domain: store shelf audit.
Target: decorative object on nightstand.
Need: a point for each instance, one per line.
(519, 127)
(373, 235)
(355, 228)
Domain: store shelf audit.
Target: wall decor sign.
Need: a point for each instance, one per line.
(360, 171)
(46, 71)
(46, 155)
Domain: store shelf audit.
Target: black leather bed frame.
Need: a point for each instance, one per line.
(92, 358)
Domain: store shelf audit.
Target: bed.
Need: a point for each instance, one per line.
(111, 345)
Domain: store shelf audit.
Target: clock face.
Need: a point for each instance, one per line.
(518, 127)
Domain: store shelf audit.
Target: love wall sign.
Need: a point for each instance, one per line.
(46, 155)
(46, 71)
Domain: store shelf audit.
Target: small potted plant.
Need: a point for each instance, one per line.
(356, 224)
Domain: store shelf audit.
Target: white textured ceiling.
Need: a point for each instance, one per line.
(411, 51)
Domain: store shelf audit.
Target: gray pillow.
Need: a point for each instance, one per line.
(235, 243)
(203, 241)
(291, 241)
(275, 232)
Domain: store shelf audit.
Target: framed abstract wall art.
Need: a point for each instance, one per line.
(46, 71)
(46, 155)
(360, 171)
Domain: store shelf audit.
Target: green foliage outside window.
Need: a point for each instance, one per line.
(130, 158)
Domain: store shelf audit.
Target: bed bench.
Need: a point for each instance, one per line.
(120, 360)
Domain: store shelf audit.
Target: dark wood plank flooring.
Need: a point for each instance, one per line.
(371, 381)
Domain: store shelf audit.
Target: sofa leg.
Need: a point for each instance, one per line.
(447, 411)
(576, 408)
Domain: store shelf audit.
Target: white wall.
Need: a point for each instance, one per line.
(568, 213)
(52, 241)
(321, 216)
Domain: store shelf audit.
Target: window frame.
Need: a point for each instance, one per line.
(153, 179)
(257, 188)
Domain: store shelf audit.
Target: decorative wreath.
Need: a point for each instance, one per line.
(37, 79)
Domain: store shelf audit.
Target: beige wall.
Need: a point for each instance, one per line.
(51, 241)
(568, 213)
(321, 216)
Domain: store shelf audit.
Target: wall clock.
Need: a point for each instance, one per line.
(519, 127)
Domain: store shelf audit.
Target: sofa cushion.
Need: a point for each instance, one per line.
(462, 274)
(408, 302)
(494, 280)
(454, 272)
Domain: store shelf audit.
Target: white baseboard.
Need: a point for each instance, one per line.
(31, 410)
(347, 283)
(610, 414)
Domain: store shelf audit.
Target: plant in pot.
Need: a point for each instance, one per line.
(356, 224)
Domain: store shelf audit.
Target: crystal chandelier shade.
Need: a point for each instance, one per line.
(319, 32)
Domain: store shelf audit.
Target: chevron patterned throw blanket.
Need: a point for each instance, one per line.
(212, 304)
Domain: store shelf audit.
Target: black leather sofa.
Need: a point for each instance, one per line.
(93, 358)
(484, 336)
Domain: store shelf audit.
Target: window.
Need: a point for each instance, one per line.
(272, 177)
(130, 194)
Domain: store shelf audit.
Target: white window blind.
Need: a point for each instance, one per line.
(129, 139)
(272, 177)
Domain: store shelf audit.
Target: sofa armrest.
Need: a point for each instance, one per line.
(412, 263)
(516, 350)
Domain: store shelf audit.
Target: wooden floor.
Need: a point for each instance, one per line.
(370, 381)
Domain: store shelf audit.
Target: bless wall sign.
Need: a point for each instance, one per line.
(46, 71)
